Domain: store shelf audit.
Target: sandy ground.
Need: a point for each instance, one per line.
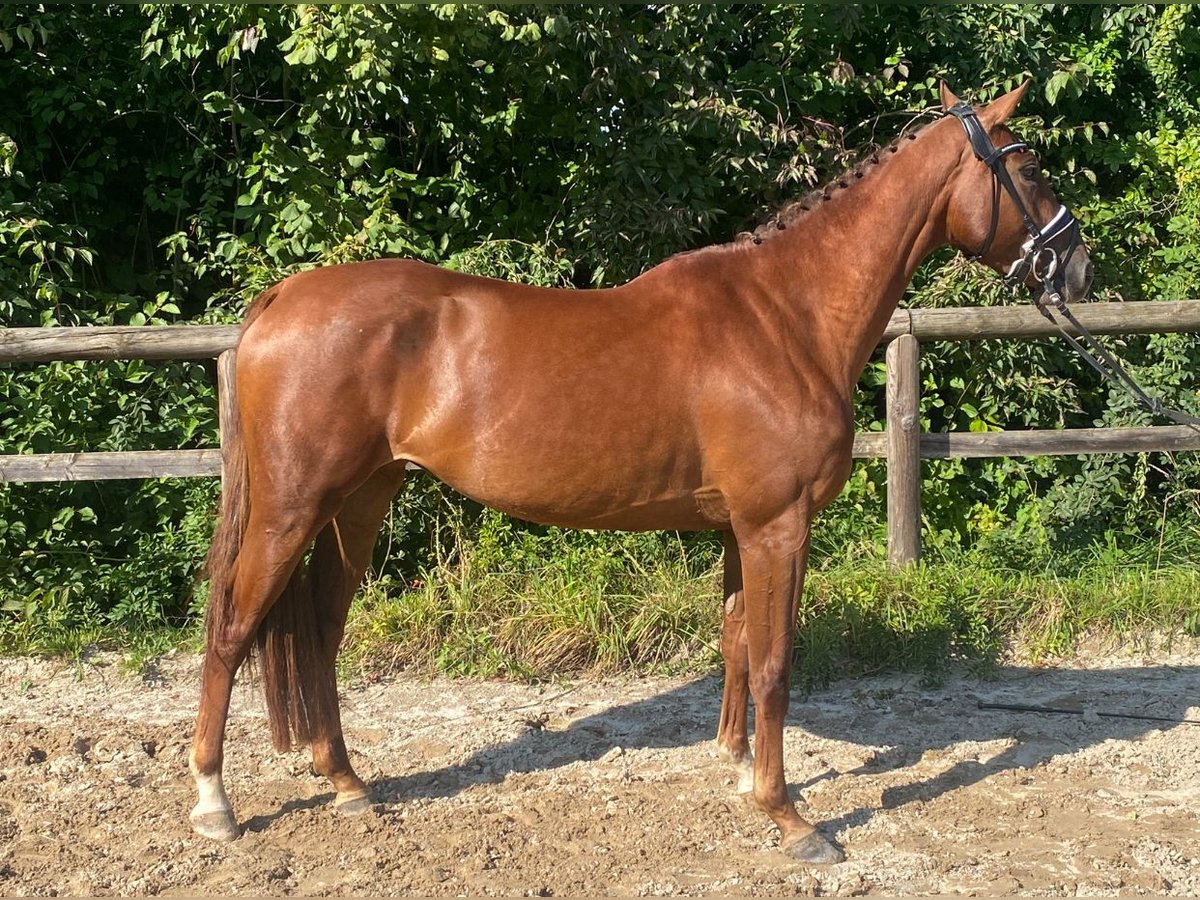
(612, 787)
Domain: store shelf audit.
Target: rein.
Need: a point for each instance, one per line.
(1043, 262)
(1104, 362)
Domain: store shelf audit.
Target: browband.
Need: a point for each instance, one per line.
(985, 151)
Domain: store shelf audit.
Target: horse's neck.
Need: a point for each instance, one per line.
(849, 261)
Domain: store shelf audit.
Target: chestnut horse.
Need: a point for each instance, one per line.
(712, 392)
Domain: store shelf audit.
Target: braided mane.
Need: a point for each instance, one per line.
(794, 210)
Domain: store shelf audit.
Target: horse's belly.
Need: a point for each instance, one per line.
(573, 420)
(587, 497)
(676, 513)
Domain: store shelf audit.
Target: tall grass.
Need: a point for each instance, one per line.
(501, 600)
(471, 614)
(537, 620)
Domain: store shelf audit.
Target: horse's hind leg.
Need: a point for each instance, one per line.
(340, 559)
(270, 552)
(733, 742)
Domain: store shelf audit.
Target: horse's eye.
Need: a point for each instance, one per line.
(1029, 172)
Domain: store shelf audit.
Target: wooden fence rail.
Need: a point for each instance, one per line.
(903, 445)
(38, 345)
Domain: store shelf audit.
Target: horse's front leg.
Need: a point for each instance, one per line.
(774, 556)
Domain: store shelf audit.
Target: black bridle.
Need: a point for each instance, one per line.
(1038, 257)
(1044, 262)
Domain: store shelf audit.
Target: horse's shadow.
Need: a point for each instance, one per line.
(654, 722)
(865, 715)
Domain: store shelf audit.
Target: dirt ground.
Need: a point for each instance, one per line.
(612, 787)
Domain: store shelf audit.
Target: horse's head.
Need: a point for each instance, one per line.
(1002, 210)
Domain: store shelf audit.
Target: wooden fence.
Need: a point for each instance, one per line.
(902, 444)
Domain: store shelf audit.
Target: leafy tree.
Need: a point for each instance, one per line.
(162, 163)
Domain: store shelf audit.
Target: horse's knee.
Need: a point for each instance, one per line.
(769, 683)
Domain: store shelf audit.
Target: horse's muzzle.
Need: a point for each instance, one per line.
(1070, 281)
(1077, 275)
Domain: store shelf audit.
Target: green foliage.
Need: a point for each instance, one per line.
(652, 607)
(163, 163)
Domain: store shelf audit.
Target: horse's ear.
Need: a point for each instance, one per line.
(949, 98)
(999, 110)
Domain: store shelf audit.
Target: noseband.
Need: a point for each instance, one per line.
(1038, 257)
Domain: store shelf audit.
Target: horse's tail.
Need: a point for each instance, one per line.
(291, 654)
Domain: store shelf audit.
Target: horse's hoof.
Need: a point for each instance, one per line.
(815, 850)
(354, 805)
(218, 824)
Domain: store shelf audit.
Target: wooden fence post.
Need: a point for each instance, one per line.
(904, 450)
(226, 397)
